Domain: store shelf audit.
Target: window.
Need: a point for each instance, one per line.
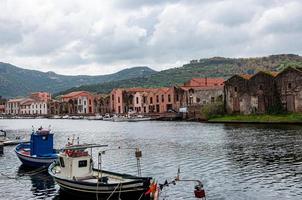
(157, 98)
(197, 100)
(151, 100)
(82, 163)
(204, 102)
(80, 101)
(144, 99)
(136, 100)
(260, 87)
(162, 98)
(177, 97)
(236, 89)
(169, 98)
(62, 164)
(289, 86)
(212, 99)
(118, 99)
(89, 101)
(112, 97)
(84, 103)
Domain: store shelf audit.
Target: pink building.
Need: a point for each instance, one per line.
(142, 100)
(80, 102)
(2, 109)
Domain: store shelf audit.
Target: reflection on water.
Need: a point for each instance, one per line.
(234, 161)
(42, 184)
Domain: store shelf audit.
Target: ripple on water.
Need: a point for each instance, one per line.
(234, 161)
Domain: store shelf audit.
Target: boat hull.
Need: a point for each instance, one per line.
(32, 161)
(131, 190)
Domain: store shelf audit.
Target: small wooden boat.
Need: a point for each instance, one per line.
(75, 175)
(39, 152)
(7, 141)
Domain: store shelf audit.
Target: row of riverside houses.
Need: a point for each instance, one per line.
(264, 92)
(194, 93)
(41, 103)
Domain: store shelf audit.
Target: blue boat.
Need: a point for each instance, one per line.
(39, 152)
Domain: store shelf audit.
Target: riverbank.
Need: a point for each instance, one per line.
(265, 118)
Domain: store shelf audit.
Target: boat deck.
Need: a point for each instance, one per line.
(93, 178)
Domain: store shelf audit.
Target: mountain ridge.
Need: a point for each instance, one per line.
(206, 67)
(16, 81)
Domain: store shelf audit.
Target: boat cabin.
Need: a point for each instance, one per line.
(75, 164)
(41, 143)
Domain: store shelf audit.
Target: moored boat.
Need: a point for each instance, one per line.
(75, 175)
(39, 151)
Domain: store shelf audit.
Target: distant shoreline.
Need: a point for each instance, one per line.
(293, 118)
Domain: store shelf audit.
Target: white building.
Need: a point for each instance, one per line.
(26, 106)
(12, 106)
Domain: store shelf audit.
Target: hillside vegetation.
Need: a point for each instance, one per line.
(212, 67)
(15, 81)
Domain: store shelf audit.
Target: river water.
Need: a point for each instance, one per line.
(233, 161)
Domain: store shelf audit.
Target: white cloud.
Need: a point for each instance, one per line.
(98, 37)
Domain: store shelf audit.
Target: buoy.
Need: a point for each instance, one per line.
(199, 192)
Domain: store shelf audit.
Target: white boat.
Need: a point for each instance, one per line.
(120, 118)
(65, 117)
(56, 117)
(107, 117)
(8, 142)
(96, 117)
(75, 175)
(139, 118)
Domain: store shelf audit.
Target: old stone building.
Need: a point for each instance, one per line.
(247, 94)
(102, 104)
(198, 92)
(264, 92)
(289, 88)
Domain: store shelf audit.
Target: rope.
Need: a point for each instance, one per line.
(34, 172)
(141, 196)
(119, 194)
(30, 173)
(113, 191)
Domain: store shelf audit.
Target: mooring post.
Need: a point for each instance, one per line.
(1, 148)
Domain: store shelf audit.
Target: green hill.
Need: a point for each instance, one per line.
(15, 81)
(211, 67)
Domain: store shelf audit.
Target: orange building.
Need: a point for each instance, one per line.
(40, 96)
(80, 102)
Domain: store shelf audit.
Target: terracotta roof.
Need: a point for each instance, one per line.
(246, 76)
(219, 87)
(73, 94)
(27, 101)
(15, 100)
(204, 81)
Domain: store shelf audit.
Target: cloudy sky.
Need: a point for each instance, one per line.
(104, 36)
